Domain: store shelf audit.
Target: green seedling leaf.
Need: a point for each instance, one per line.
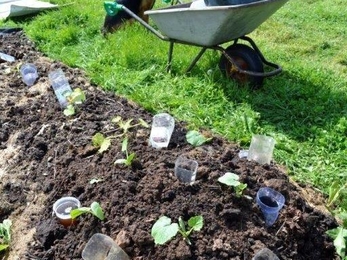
(125, 145)
(92, 181)
(240, 188)
(79, 211)
(100, 141)
(77, 96)
(3, 247)
(195, 138)
(130, 159)
(94, 209)
(97, 210)
(181, 224)
(230, 179)
(125, 126)
(163, 230)
(69, 110)
(196, 223)
(143, 123)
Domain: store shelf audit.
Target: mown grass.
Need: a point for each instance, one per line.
(304, 108)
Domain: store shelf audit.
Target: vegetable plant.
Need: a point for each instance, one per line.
(129, 158)
(196, 139)
(5, 234)
(103, 142)
(76, 97)
(94, 209)
(232, 179)
(163, 230)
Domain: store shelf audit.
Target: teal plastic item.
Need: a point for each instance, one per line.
(112, 8)
(166, 1)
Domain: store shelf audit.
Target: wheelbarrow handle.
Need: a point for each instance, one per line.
(112, 8)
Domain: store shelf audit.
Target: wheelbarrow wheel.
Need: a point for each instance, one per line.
(246, 59)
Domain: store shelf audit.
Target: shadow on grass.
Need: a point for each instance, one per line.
(293, 105)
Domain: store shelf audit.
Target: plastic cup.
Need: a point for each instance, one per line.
(29, 73)
(6, 57)
(162, 127)
(270, 203)
(102, 247)
(261, 149)
(60, 85)
(185, 169)
(62, 208)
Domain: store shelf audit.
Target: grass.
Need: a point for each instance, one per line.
(304, 108)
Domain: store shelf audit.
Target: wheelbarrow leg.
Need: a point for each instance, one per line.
(197, 58)
(168, 66)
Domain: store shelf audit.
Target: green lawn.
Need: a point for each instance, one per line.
(304, 108)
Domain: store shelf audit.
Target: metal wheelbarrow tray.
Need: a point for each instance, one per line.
(210, 27)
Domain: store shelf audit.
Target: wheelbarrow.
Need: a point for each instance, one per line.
(210, 27)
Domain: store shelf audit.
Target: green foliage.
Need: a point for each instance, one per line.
(94, 209)
(76, 97)
(304, 108)
(163, 230)
(123, 127)
(340, 236)
(5, 234)
(196, 139)
(102, 142)
(129, 157)
(232, 179)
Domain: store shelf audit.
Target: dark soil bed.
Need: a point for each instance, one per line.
(46, 155)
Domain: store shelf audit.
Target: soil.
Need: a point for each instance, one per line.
(45, 155)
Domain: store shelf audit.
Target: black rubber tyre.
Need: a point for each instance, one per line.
(245, 58)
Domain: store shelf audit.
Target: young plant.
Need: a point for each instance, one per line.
(74, 98)
(94, 209)
(5, 234)
(196, 139)
(232, 179)
(163, 230)
(129, 158)
(103, 142)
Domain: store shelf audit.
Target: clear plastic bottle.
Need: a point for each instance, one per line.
(60, 86)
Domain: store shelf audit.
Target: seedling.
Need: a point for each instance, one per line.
(196, 139)
(125, 126)
(103, 142)
(232, 179)
(5, 234)
(74, 98)
(163, 230)
(94, 209)
(129, 158)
